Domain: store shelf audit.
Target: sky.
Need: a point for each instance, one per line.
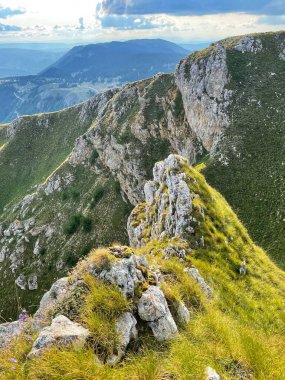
(184, 21)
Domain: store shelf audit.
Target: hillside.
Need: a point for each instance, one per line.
(101, 152)
(178, 307)
(83, 72)
(119, 62)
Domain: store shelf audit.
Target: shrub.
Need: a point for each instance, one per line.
(87, 224)
(97, 196)
(73, 224)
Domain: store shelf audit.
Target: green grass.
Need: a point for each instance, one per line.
(40, 145)
(240, 332)
(78, 229)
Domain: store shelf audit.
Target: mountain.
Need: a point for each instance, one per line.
(147, 171)
(117, 61)
(20, 62)
(197, 300)
(83, 72)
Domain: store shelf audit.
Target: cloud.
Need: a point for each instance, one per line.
(9, 28)
(190, 7)
(8, 12)
(81, 23)
(128, 22)
(272, 20)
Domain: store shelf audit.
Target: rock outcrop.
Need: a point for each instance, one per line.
(153, 308)
(167, 211)
(203, 85)
(61, 332)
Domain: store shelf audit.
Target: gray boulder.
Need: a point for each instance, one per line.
(123, 273)
(211, 374)
(153, 308)
(9, 331)
(126, 331)
(194, 273)
(61, 332)
(48, 301)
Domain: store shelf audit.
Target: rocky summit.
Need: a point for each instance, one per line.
(150, 172)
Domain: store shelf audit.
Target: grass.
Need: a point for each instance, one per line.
(240, 332)
(78, 229)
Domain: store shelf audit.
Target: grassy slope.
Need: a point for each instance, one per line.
(36, 151)
(240, 333)
(253, 183)
(107, 216)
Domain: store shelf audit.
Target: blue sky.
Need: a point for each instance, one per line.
(104, 20)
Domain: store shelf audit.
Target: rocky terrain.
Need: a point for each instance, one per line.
(70, 179)
(179, 303)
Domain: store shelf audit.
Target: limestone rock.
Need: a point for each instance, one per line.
(194, 273)
(126, 331)
(183, 314)
(123, 273)
(168, 207)
(61, 332)
(9, 331)
(48, 301)
(153, 308)
(202, 83)
(211, 374)
(33, 282)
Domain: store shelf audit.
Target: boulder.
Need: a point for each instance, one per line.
(126, 331)
(183, 314)
(211, 374)
(153, 308)
(61, 332)
(48, 301)
(123, 273)
(9, 331)
(194, 273)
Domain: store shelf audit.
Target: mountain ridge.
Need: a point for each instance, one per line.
(136, 126)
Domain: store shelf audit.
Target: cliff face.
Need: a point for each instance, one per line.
(69, 179)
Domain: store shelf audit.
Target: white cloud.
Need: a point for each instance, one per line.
(73, 20)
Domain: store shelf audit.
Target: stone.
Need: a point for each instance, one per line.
(194, 273)
(169, 214)
(48, 301)
(126, 331)
(211, 374)
(21, 282)
(123, 273)
(9, 331)
(153, 308)
(61, 332)
(183, 314)
(33, 282)
(242, 269)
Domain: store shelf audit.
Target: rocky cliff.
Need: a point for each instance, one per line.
(69, 179)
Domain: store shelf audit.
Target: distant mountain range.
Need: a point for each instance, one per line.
(19, 62)
(117, 61)
(83, 72)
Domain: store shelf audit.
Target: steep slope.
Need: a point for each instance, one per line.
(34, 94)
(133, 304)
(238, 109)
(119, 62)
